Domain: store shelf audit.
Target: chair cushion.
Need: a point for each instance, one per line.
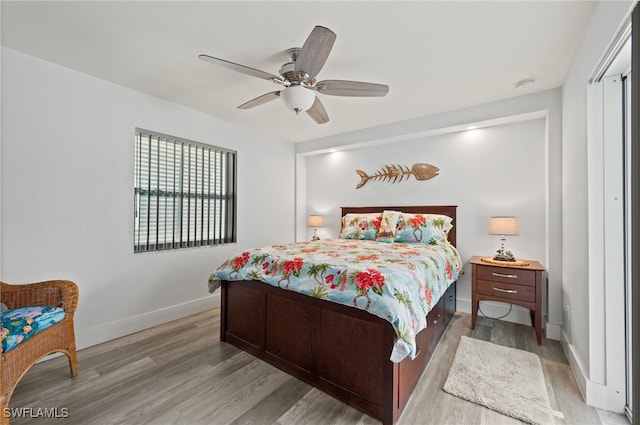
(20, 324)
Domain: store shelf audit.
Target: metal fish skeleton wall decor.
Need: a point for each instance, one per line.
(394, 173)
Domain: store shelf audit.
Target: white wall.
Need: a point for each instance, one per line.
(527, 106)
(580, 334)
(67, 196)
(498, 170)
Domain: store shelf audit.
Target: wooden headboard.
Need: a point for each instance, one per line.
(449, 210)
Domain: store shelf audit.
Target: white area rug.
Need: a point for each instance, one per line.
(503, 379)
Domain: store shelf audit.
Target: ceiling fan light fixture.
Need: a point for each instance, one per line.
(297, 98)
(298, 76)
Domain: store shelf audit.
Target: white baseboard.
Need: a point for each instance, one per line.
(553, 331)
(128, 325)
(594, 394)
(125, 326)
(494, 309)
(518, 315)
(575, 364)
(605, 397)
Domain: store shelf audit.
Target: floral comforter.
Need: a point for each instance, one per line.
(395, 281)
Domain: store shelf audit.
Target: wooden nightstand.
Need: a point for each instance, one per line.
(519, 285)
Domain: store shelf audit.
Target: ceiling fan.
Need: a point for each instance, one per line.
(298, 76)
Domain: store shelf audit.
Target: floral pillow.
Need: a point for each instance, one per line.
(431, 229)
(360, 226)
(20, 324)
(388, 226)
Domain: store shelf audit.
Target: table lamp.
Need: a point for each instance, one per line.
(315, 221)
(503, 226)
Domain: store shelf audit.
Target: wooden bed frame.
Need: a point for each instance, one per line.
(320, 342)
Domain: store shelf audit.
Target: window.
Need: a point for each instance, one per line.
(184, 195)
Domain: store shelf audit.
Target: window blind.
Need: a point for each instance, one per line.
(184, 195)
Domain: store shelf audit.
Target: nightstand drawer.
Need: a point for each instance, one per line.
(515, 284)
(507, 291)
(507, 275)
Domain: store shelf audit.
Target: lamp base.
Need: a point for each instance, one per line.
(503, 255)
(499, 257)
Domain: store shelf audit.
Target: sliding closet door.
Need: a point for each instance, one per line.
(628, 196)
(610, 221)
(634, 186)
(612, 201)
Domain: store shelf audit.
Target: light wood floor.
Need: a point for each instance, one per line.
(180, 373)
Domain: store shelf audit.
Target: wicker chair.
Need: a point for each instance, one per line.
(57, 338)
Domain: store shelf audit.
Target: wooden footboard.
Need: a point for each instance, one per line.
(340, 350)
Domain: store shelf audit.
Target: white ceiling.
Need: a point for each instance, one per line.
(435, 56)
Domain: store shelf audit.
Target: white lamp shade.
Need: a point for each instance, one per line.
(503, 226)
(297, 98)
(315, 221)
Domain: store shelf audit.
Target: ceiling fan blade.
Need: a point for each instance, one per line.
(260, 100)
(315, 51)
(240, 68)
(317, 112)
(351, 88)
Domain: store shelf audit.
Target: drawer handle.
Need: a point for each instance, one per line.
(510, 276)
(508, 291)
(436, 319)
(418, 351)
